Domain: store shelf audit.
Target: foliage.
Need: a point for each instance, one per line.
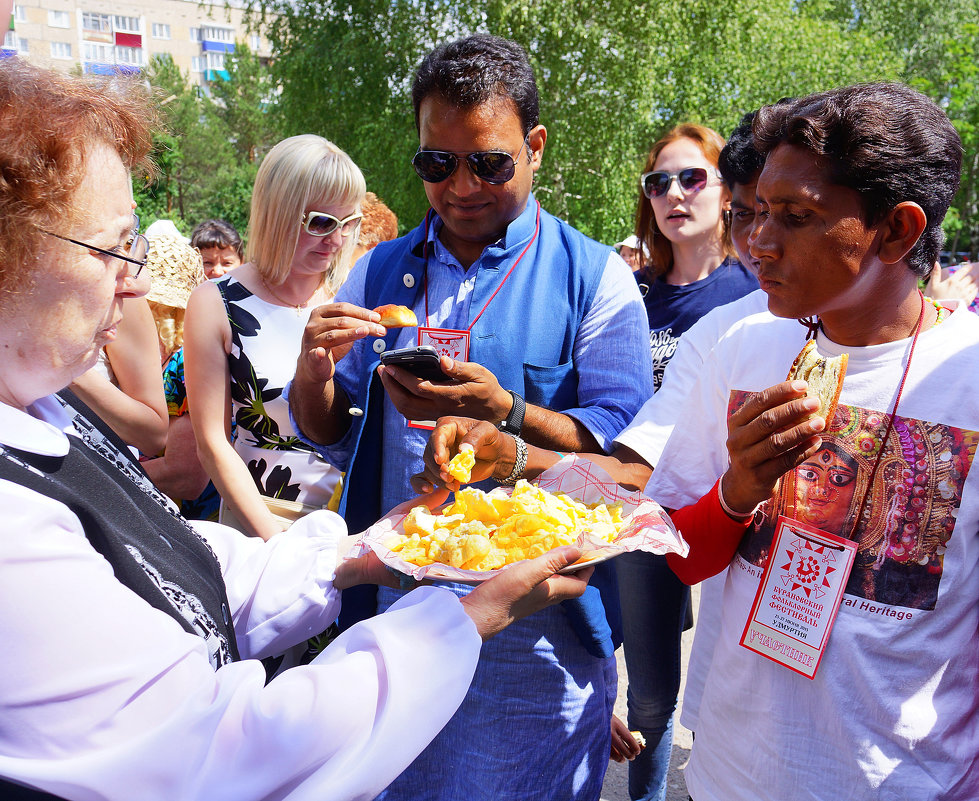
(209, 152)
(611, 81)
(613, 78)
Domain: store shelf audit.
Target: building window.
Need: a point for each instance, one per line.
(127, 24)
(100, 23)
(195, 34)
(98, 52)
(255, 42)
(20, 13)
(60, 50)
(11, 41)
(212, 33)
(161, 30)
(198, 64)
(129, 55)
(215, 61)
(59, 19)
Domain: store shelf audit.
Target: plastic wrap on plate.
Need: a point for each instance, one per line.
(646, 526)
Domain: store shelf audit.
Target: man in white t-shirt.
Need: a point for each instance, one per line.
(850, 203)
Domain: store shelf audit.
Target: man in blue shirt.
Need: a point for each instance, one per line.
(551, 338)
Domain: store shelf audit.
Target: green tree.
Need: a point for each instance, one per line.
(937, 42)
(613, 77)
(344, 71)
(209, 151)
(242, 104)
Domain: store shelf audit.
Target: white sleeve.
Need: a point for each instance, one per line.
(280, 591)
(102, 696)
(695, 454)
(651, 428)
(648, 432)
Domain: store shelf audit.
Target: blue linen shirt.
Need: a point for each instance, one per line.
(610, 376)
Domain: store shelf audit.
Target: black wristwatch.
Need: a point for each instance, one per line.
(514, 421)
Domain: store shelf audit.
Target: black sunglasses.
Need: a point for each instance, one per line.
(492, 166)
(133, 252)
(691, 179)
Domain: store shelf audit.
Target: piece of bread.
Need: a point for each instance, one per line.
(824, 377)
(393, 316)
(637, 735)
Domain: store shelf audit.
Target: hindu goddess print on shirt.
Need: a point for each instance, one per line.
(909, 512)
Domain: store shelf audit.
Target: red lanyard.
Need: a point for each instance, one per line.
(509, 272)
(890, 420)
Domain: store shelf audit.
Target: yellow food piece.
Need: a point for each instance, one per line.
(461, 465)
(487, 530)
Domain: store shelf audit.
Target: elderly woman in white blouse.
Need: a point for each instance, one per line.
(130, 640)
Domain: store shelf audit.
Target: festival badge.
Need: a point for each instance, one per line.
(799, 595)
(447, 342)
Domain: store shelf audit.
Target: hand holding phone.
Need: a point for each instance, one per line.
(421, 361)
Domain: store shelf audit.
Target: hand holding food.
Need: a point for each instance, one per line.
(823, 376)
(367, 568)
(330, 333)
(773, 432)
(494, 453)
(524, 589)
(626, 745)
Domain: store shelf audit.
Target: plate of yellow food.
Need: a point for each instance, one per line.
(482, 532)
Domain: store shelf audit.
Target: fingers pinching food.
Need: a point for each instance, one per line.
(461, 465)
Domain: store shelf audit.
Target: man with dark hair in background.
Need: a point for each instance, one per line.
(543, 332)
(849, 208)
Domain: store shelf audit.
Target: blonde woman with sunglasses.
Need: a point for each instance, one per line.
(243, 333)
(682, 215)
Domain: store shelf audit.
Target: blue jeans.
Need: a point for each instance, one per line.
(654, 605)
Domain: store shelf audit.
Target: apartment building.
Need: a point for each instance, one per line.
(105, 37)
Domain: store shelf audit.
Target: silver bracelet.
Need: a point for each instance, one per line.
(519, 465)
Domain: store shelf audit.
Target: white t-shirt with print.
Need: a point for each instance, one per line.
(893, 712)
(647, 435)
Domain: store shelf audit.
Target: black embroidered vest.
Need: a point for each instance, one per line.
(151, 548)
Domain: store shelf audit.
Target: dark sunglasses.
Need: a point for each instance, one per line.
(691, 179)
(133, 251)
(319, 223)
(492, 166)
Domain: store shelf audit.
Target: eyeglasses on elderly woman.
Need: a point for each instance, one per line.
(133, 251)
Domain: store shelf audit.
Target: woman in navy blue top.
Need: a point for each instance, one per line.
(682, 221)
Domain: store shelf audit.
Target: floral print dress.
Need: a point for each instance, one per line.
(265, 344)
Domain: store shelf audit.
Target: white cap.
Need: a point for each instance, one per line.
(165, 228)
(631, 241)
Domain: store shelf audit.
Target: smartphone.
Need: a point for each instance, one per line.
(421, 361)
